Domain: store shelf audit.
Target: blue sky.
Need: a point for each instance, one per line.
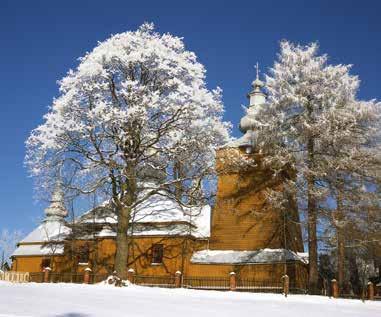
(41, 40)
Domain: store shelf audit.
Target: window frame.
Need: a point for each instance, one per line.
(83, 254)
(44, 261)
(157, 254)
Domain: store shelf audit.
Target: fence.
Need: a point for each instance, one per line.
(231, 282)
(36, 277)
(158, 281)
(97, 278)
(77, 278)
(190, 282)
(367, 292)
(263, 286)
(296, 288)
(208, 283)
(15, 277)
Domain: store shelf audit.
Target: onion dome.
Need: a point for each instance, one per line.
(257, 98)
(56, 209)
(248, 124)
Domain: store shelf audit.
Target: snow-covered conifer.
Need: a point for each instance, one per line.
(315, 123)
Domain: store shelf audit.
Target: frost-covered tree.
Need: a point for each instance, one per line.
(304, 124)
(136, 107)
(8, 242)
(348, 164)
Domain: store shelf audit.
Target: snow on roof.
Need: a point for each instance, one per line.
(173, 229)
(202, 222)
(35, 242)
(106, 232)
(199, 229)
(304, 256)
(157, 209)
(52, 230)
(235, 143)
(237, 257)
(38, 249)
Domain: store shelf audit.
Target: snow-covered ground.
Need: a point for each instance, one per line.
(70, 300)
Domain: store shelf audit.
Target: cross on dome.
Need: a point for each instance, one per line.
(257, 84)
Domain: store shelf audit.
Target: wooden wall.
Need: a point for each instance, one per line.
(177, 254)
(243, 219)
(34, 263)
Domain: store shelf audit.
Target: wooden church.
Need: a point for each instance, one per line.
(242, 233)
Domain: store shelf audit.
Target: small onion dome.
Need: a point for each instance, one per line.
(247, 123)
(249, 141)
(57, 206)
(257, 99)
(257, 83)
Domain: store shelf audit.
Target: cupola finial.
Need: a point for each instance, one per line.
(257, 69)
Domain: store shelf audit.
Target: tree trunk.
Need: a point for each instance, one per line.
(354, 276)
(340, 239)
(128, 193)
(122, 243)
(340, 259)
(312, 235)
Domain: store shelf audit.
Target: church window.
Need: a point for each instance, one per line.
(84, 254)
(45, 263)
(157, 253)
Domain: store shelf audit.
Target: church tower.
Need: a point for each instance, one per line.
(44, 246)
(243, 217)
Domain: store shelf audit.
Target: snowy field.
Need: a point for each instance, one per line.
(70, 300)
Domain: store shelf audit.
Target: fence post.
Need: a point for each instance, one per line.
(335, 289)
(233, 281)
(131, 275)
(86, 277)
(370, 291)
(178, 279)
(47, 271)
(286, 284)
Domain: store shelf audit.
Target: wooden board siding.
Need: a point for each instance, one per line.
(242, 218)
(33, 263)
(177, 253)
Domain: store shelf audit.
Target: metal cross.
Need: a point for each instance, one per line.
(257, 68)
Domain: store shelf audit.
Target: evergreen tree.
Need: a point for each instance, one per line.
(312, 110)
